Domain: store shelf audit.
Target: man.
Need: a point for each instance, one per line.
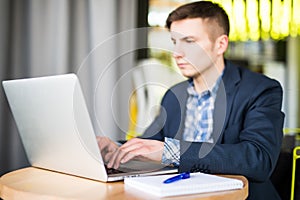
(223, 120)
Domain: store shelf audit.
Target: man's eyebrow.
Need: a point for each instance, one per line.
(184, 37)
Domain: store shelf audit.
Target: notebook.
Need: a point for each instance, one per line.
(56, 130)
(197, 183)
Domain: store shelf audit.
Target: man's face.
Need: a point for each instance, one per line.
(194, 51)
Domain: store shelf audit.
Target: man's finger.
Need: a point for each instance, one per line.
(126, 151)
(121, 153)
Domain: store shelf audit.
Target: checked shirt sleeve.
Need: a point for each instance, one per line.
(171, 153)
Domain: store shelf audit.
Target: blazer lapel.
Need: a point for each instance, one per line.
(223, 105)
(181, 95)
(225, 96)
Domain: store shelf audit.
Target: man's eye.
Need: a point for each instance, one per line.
(189, 41)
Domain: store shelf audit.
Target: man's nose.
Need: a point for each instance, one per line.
(178, 52)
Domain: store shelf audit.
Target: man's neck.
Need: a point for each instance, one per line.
(207, 79)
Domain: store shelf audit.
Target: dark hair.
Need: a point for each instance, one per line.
(201, 9)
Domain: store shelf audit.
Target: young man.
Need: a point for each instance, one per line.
(223, 120)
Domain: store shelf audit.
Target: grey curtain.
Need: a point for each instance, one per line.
(49, 37)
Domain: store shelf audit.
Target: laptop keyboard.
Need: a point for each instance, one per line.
(113, 171)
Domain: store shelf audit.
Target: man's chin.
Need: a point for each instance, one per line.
(187, 75)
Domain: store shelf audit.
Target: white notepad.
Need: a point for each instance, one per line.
(197, 183)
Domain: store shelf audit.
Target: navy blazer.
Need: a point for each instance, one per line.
(247, 129)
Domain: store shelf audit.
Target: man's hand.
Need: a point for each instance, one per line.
(107, 147)
(136, 148)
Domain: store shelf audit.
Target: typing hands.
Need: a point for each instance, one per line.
(136, 148)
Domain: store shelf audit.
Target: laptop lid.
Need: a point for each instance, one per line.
(54, 125)
(56, 130)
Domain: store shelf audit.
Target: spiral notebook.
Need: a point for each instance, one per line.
(197, 183)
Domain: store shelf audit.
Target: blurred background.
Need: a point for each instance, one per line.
(106, 44)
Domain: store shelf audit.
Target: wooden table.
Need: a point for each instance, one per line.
(33, 183)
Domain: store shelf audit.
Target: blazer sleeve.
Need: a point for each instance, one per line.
(170, 120)
(155, 129)
(251, 139)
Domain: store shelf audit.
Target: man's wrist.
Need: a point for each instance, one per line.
(171, 152)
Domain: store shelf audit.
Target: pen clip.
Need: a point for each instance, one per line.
(184, 175)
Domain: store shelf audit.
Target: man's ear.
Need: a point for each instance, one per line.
(222, 44)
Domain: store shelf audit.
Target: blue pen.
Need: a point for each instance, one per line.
(184, 175)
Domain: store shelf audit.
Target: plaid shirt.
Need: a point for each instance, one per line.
(198, 122)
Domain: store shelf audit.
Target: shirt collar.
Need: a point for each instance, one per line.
(212, 91)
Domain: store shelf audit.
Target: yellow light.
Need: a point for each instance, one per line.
(262, 19)
(297, 5)
(265, 18)
(286, 17)
(252, 19)
(218, 2)
(276, 19)
(295, 19)
(240, 19)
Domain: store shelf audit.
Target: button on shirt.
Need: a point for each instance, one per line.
(198, 122)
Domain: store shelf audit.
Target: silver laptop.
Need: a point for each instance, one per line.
(56, 129)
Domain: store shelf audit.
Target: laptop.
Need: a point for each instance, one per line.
(57, 133)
